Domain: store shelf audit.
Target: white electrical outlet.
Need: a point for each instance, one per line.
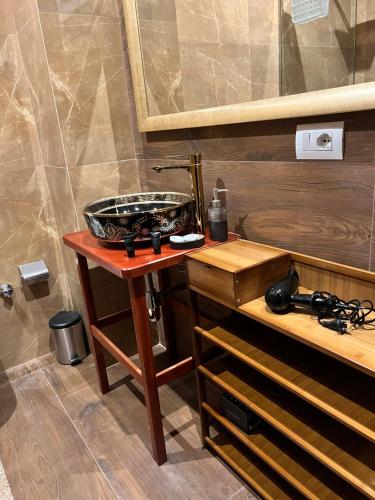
(320, 141)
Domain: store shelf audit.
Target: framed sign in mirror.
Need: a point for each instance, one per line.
(198, 63)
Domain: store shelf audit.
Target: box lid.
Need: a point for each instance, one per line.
(236, 256)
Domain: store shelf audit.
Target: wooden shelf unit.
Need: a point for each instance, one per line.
(251, 469)
(312, 388)
(331, 386)
(288, 460)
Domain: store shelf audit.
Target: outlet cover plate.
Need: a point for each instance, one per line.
(320, 141)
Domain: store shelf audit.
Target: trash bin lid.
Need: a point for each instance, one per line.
(64, 319)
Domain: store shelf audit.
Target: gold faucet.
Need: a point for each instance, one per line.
(195, 170)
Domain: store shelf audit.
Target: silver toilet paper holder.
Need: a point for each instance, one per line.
(33, 272)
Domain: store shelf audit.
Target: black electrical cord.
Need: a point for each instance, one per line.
(334, 313)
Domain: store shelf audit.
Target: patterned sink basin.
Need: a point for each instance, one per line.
(110, 219)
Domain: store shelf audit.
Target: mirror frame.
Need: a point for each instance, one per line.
(357, 97)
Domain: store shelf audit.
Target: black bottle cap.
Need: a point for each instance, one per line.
(156, 242)
(129, 244)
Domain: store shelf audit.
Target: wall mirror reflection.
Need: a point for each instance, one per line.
(199, 54)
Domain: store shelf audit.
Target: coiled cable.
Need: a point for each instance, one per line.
(326, 306)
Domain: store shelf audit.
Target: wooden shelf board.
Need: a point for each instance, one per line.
(329, 385)
(263, 480)
(307, 475)
(347, 454)
(356, 349)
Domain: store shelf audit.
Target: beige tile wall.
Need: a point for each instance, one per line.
(320, 54)
(365, 42)
(66, 138)
(214, 52)
(208, 53)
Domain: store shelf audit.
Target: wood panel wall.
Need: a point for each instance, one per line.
(320, 208)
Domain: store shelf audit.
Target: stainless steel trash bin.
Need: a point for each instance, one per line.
(68, 337)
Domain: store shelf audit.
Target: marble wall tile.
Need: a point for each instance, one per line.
(306, 68)
(40, 90)
(7, 25)
(19, 146)
(58, 187)
(61, 204)
(264, 22)
(334, 30)
(365, 42)
(232, 21)
(320, 54)
(87, 71)
(212, 21)
(197, 54)
(23, 11)
(19, 143)
(110, 179)
(365, 63)
(162, 66)
(214, 74)
(93, 7)
(149, 10)
(265, 71)
(23, 229)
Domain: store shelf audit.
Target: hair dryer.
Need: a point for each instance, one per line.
(281, 296)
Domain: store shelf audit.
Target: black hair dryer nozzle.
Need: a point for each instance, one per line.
(278, 296)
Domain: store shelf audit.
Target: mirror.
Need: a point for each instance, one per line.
(206, 62)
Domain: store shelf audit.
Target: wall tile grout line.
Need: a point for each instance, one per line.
(114, 162)
(76, 14)
(79, 434)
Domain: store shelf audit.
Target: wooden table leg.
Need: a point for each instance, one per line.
(164, 283)
(96, 348)
(146, 356)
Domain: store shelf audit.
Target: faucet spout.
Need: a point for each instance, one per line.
(159, 168)
(195, 171)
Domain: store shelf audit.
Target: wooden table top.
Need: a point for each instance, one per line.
(116, 261)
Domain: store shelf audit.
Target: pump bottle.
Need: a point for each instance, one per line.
(217, 218)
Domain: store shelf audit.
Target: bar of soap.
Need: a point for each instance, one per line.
(187, 242)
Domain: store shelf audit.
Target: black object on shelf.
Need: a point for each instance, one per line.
(332, 312)
(238, 413)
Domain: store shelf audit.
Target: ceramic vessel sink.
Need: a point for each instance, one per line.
(109, 219)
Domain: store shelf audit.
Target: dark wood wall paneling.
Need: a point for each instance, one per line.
(319, 208)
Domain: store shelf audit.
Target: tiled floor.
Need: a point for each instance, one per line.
(61, 439)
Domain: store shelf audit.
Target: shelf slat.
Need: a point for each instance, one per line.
(331, 386)
(356, 349)
(307, 475)
(347, 454)
(263, 480)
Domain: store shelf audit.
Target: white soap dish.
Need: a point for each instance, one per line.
(187, 242)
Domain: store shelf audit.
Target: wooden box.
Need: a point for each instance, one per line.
(236, 272)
